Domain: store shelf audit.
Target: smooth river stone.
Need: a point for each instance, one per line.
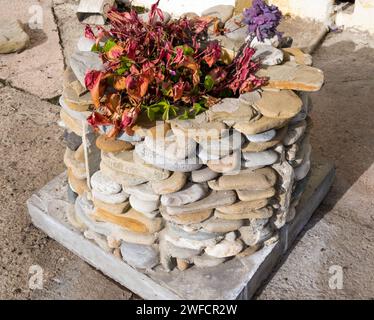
(112, 145)
(103, 184)
(259, 159)
(229, 164)
(262, 213)
(193, 235)
(246, 179)
(274, 41)
(188, 243)
(187, 218)
(303, 150)
(78, 168)
(110, 198)
(198, 128)
(224, 146)
(251, 195)
(215, 199)
(268, 55)
(113, 208)
(143, 205)
(221, 226)
(79, 186)
(172, 147)
(293, 76)
(85, 45)
(225, 249)
(294, 133)
(252, 236)
(306, 108)
(150, 157)
(262, 137)
(119, 220)
(142, 191)
(189, 194)
(262, 146)
(124, 179)
(124, 162)
(205, 156)
(153, 225)
(302, 171)
(172, 184)
(282, 104)
(206, 261)
(250, 98)
(230, 109)
(203, 175)
(140, 256)
(260, 125)
(241, 207)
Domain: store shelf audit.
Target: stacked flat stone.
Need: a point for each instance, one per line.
(196, 192)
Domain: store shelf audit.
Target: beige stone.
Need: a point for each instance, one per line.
(182, 264)
(112, 145)
(113, 208)
(216, 225)
(71, 81)
(293, 76)
(152, 225)
(187, 218)
(247, 179)
(262, 213)
(251, 195)
(282, 104)
(79, 154)
(297, 55)
(78, 185)
(120, 220)
(78, 168)
(261, 125)
(122, 178)
(172, 184)
(249, 251)
(71, 123)
(213, 200)
(227, 164)
(123, 161)
(262, 146)
(243, 206)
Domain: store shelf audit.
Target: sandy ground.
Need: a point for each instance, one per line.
(340, 233)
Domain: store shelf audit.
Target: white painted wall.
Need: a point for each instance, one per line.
(362, 17)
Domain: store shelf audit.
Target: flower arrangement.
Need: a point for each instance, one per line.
(164, 69)
(262, 19)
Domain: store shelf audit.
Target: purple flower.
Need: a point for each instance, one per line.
(262, 19)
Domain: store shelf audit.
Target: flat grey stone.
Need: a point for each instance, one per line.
(72, 196)
(294, 133)
(84, 44)
(140, 256)
(262, 137)
(72, 140)
(268, 55)
(259, 159)
(81, 62)
(103, 184)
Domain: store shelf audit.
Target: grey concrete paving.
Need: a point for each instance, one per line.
(340, 233)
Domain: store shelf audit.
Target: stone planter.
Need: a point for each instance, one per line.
(195, 193)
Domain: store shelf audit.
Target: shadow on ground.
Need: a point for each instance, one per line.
(343, 133)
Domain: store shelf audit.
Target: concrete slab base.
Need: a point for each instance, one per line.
(238, 278)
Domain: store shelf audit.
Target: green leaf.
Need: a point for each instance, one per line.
(198, 108)
(96, 48)
(109, 45)
(120, 71)
(208, 82)
(187, 50)
(186, 115)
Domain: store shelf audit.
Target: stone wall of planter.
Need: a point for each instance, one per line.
(186, 193)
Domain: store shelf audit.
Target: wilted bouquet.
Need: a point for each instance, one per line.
(162, 69)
